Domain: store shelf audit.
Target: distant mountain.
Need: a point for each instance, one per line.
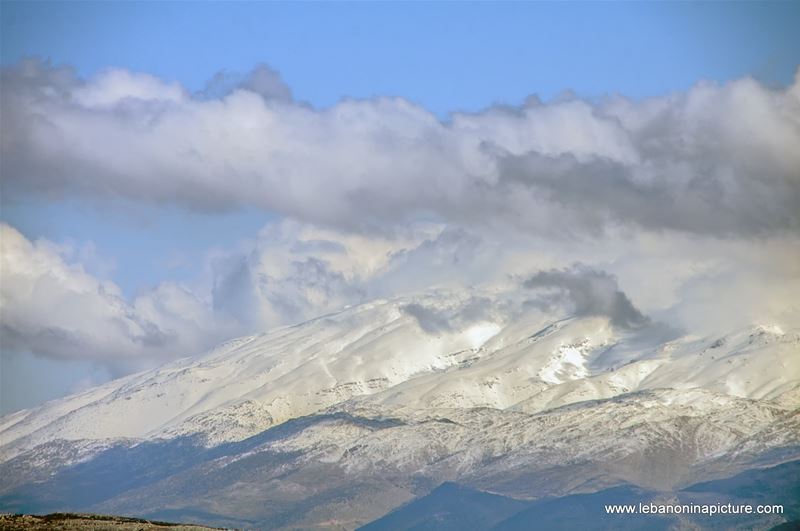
(454, 507)
(338, 421)
(451, 506)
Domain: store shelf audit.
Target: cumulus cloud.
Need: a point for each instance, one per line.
(591, 292)
(716, 159)
(57, 309)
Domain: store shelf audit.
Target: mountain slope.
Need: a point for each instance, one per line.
(345, 417)
(382, 349)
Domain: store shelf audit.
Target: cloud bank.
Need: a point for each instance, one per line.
(716, 159)
(691, 200)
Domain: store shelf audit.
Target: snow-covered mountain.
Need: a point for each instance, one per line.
(339, 420)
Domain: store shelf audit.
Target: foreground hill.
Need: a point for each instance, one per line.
(72, 522)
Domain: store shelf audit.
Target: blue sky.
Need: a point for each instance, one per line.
(444, 57)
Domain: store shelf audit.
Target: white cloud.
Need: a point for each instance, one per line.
(115, 87)
(717, 159)
(294, 271)
(57, 309)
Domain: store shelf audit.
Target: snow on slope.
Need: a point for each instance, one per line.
(441, 349)
(489, 447)
(355, 462)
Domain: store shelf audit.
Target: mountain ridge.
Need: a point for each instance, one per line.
(389, 399)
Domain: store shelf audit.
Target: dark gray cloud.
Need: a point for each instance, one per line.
(706, 197)
(590, 292)
(436, 319)
(429, 320)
